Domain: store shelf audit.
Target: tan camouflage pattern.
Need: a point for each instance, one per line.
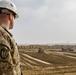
(7, 42)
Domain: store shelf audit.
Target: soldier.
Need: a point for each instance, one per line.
(9, 55)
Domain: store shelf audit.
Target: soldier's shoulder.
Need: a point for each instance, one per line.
(3, 38)
(4, 42)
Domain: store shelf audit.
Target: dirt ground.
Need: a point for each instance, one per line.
(70, 74)
(48, 62)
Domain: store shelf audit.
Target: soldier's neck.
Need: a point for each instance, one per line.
(6, 25)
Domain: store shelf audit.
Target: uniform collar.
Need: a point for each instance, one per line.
(6, 30)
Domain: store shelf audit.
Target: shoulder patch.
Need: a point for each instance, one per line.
(4, 53)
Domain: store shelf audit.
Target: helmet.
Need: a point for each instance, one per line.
(9, 5)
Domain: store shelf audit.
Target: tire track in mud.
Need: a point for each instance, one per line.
(32, 61)
(70, 55)
(27, 60)
(44, 62)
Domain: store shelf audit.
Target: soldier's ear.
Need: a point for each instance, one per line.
(10, 16)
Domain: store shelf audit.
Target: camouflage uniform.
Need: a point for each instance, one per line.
(9, 55)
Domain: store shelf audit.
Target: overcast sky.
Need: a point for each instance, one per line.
(45, 21)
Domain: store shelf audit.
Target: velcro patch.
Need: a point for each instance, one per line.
(4, 53)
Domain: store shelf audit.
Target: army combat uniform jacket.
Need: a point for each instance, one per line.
(9, 55)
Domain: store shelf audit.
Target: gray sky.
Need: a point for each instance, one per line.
(45, 21)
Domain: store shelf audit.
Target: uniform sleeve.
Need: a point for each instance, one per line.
(4, 52)
(4, 49)
(16, 59)
(17, 62)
